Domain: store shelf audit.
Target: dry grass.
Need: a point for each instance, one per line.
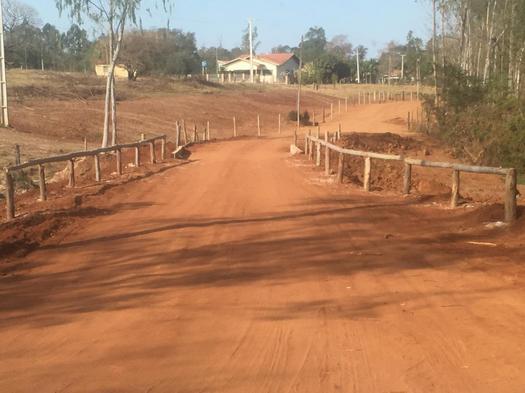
(29, 84)
(350, 90)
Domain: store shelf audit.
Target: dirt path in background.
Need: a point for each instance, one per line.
(243, 271)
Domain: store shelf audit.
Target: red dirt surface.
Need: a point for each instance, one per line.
(245, 270)
(157, 115)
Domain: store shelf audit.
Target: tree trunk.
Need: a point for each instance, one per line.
(434, 58)
(113, 113)
(110, 104)
(443, 35)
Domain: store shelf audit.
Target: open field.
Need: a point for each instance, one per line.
(54, 112)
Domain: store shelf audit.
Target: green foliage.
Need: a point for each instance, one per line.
(313, 45)
(483, 123)
(160, 51)
(28, 46)
(245, 40)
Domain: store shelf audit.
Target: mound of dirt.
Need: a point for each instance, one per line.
(381, 143)
(388, 175)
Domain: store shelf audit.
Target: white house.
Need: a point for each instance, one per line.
(268, 68)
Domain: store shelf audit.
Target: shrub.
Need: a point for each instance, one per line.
(304, 118)
(483, 123)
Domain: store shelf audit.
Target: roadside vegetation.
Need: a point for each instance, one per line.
(480, 106)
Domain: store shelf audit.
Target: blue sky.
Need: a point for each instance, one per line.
(371, 23)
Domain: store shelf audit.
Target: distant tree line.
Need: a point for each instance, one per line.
(27, 45)
(169, 51)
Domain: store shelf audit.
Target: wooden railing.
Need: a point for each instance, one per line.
(70, 158)
(509, 173)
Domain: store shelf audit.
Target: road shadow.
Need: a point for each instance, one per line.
(335, 239)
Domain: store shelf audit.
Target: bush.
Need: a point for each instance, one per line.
(304, 118)
(483, 123)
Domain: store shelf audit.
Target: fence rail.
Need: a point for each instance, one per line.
(70, 158)
(509, 173)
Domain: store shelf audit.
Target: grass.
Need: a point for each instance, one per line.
(348, 90)
(521, 178)
(28, 84)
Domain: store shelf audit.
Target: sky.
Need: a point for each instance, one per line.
(372, 23)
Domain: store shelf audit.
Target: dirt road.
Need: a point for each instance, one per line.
(244, 272)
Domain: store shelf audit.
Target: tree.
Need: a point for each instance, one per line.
(52, 47)
(16, 13)
(283, 49)
(245, 41)
(314, 44)
(114, 14)
(340, 47)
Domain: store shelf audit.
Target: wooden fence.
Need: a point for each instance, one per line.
(70, 158)
(509, 173)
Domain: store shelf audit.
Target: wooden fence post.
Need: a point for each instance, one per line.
(307, 142)
(311, 149)
(340, 167)
(163, 149)
(346, 104)
(339, 132)
(17, 154)
(331, 111)
(208, 132)
(407, 179)
(177, 135)
(279, 123)
(71, 183)
(96, 159)
(85, 144)
(511, 208)
(142, 136)
(185, 131)
(42, 182)
(313, 118)
(339, 110)
(455, 189)
(258, 125)
(9, 196)
(366, 178)
(409, 123)
(119, 161)
(137, 156)
(318, 135)
(324, 115)
(195, 134)
(234, 127)
(152, 152)
(326, 155)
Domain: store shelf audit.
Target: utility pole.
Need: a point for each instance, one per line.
(403, 67)
(358, 72)
(4, 118)
(251, 49)
(299, 79)
(389, 69)
(418, 76)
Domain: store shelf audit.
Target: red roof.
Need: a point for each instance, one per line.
(277, 58)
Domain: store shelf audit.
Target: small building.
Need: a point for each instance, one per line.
(267, 68)
(103, 69)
